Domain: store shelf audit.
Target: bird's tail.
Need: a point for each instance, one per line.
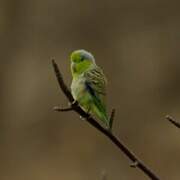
(102, 115)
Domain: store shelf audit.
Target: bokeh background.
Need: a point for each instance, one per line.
(137, 44)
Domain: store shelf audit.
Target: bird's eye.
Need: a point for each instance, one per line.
(82, 58)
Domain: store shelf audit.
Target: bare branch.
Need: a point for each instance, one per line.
(135, 160)
(60, 80)
(173, 121)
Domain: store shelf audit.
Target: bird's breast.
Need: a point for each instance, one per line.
(78, 88)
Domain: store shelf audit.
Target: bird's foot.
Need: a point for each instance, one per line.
(88, 116)
(82, 118)
(74, 103)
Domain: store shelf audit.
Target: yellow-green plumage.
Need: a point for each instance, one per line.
(89, 84)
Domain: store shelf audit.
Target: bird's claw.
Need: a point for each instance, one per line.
(87, 117)
(71, 104)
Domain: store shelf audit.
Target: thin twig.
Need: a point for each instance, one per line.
(57, 108)
(61, 82)
(104, 131)
(173, 121)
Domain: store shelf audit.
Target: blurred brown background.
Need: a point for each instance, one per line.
(137, 44)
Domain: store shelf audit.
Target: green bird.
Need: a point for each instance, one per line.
(89, 85)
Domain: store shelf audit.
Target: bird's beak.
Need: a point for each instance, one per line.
(73, 66)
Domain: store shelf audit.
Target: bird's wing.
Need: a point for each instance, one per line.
(96, 79)
(96, 86)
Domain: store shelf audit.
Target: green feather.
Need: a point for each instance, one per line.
(89, 85)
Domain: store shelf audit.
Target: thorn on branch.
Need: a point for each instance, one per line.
(134, 164)
(173, 121)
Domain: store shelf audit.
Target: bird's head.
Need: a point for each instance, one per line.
(81, 60)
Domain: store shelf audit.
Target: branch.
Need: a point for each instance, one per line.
(57, 108)
(173, 121)
(136, 162)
